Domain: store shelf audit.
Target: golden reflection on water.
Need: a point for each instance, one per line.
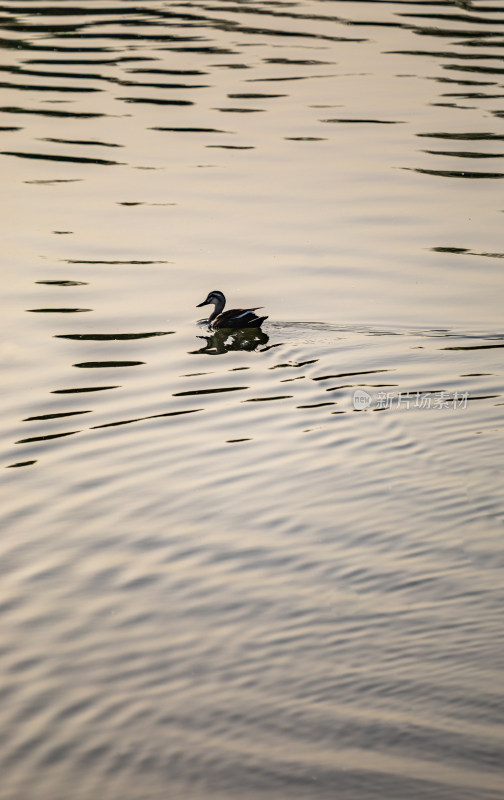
(219, 575)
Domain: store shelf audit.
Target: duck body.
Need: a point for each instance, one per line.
(235, 318)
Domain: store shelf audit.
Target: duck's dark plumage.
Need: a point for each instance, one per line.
(237, 318)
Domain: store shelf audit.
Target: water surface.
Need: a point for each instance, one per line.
(266, 564)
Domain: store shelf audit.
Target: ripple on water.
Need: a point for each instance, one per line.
(233, 581)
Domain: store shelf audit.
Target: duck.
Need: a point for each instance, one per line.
(237, 318)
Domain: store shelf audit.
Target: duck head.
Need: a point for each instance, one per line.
(217, 298)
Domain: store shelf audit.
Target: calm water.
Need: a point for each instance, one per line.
(220, 578)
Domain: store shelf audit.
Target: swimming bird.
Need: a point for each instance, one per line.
(234, 318)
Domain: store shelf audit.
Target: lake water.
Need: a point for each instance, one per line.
(223, 572)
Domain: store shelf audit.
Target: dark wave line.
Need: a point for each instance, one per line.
(50, 112)
(273, 12)
(475, 347)
(232, 66)
(138, 37)
(151, 416)
(72, 159)
(36, 46)
(71, 10)
(349, 374)
(110, 337)
(149, 19)
(21, 44)
(447, 173)
(462, 81)
(446, 54)
(36, 27)
(318, 405)
(231, 146)
(300, 62)
(474, 68)
(466, 251)
(56, 415)
(156, 101)
(206, 50)
(83, 142)
(254, 96)
(107, 364)
(46, 437)
(473, 95)
(481, 41)
(189, 130)
(236, 27)
(149, 85)
(159, 71)
(239, 28)
(284, 78)
(43, 73)
(240, 110)
(50, 181)
(267, 399)
(468, 18)
(113, 263)
(364, 121)
(453, 33)
(80, 389)
(484, 397)
(471, 137)
(463, 154)
(451, 105)
(63, 283)
(57, 310)
(210, 391)
(26, 87)
(87, 61)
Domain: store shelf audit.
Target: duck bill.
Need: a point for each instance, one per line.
(204, 303)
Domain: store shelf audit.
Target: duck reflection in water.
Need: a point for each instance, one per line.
(226, 340)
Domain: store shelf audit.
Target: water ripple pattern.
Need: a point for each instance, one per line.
(263, 563)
